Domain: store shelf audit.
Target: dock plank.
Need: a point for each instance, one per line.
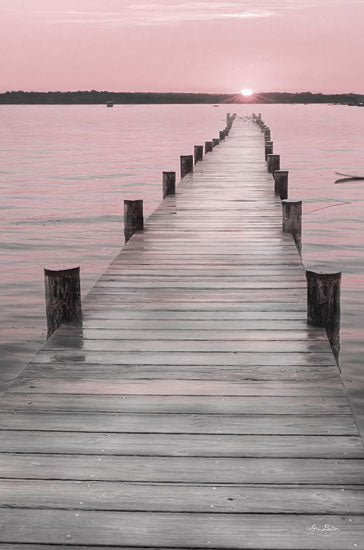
(104, 443)
(181, 423)
(176, 404)
(240, 531)
(181, 498)
(171, 469)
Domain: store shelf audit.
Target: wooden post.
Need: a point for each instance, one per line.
(267, 135)
(227, 118)
(63, 297)
(208, 146)
(292, 220)
(186, 162)
(273, 163)
(133, 217)
(259, 116)
(323, 297)
(198, 153)
(169, 183)
(215, 141)
(323, 304)
(268, 148)
(221, 135)
(281, 183)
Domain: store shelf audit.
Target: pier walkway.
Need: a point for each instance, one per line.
(195, 409)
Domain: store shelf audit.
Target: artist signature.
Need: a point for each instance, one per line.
(325, 529)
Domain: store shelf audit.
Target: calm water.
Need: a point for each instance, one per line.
(65, 171)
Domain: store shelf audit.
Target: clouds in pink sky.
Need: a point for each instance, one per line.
(175, 45)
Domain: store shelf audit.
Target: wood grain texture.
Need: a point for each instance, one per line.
(184, 424)
(195, 530)
(194, 408)
(181, 498)
(171, 469)
(177, 404)
(178, 387)
(200, 445)
(227, 373)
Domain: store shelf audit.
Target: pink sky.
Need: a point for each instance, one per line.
(182, 45)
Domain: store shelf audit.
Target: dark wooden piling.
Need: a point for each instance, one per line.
(169, 183)
(63, 297)
(133, 217)
(268, 148)
(198, 153)
(323, 297)
(215, 141)
(267, 134)
(228, 118)
(186, 163)
(281, 183)
(273, 163)
(323, 304)
(292, 220)
(208, 147)
(221, 135)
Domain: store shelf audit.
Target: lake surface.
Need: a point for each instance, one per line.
(65, 171)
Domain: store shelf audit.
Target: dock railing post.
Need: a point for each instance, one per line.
(221, 135)
(215, 141)
(323, 304)
(169, 183)
(186, 163)
(133, 217)
(268, 148)
(281, 183)
(273, 163)
(208, 147)
(63, 297)
(292, 220)
(198, 153)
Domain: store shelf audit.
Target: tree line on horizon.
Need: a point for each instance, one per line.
(132, 98)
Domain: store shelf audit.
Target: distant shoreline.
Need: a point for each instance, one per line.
(94, 97)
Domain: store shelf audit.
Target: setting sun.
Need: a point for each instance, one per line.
(247, 92)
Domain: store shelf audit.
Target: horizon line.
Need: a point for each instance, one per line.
(179, 92)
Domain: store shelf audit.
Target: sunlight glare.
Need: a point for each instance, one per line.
(247, 92)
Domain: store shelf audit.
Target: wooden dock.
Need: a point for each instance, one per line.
(195, 409)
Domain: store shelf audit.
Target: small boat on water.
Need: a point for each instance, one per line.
(351, 175)
(109, 104)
